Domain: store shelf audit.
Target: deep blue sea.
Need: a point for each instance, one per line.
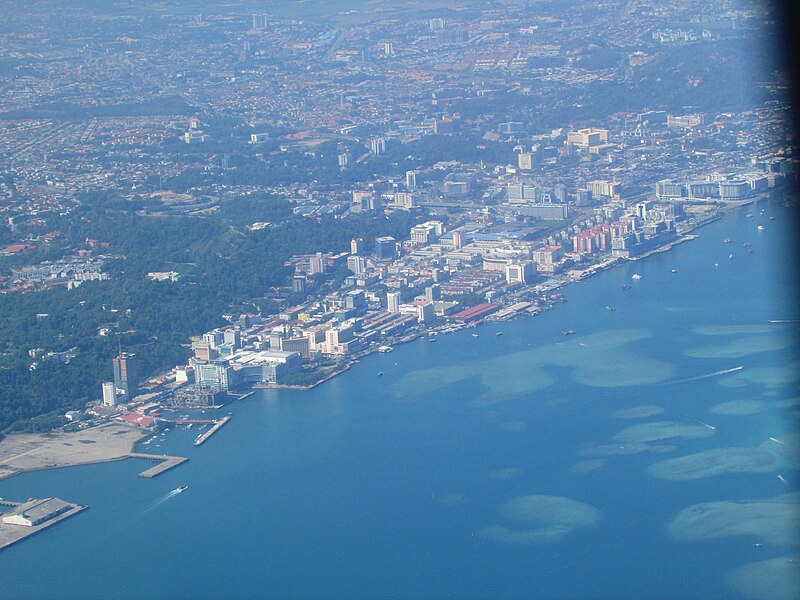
(632, 459)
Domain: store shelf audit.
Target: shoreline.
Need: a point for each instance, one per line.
(27, 452)
(54, 458)
(550, 285)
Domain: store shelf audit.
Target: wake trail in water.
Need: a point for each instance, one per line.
(168, 496)
(707, 375)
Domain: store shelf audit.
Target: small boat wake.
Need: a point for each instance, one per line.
(168, 496)
(707, 375)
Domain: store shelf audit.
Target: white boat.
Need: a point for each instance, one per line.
(761, 228)
(385, 348)
(636, 276)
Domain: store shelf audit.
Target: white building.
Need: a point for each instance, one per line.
(109, 393)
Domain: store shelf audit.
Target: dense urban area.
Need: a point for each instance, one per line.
(197, 198)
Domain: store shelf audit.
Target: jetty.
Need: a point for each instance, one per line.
(212, 430)
(165, 463)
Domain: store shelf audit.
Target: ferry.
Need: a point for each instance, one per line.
(568, 332)
(385, 348)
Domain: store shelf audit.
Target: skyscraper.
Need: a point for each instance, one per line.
(393, 302)
(385, 247)
(125, 374)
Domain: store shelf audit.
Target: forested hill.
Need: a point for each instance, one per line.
(224, 267)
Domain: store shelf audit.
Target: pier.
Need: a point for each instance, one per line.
(214, 428)
(165, 463)
(43, 514)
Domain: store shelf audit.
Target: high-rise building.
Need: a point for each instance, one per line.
(393, 302)
(586, 138)
(583, 197)
(317, 264)
(299, 344)
(259, 21)
(385, 247)
(518, 193)
(520, 272)
(356, 246)
(411, 179)
(433, 292)
(233, 337)
(377, 146)
(298, 284)
(426, 312)
(560, 192)
(213, 338)
(204, 351)
(356, 264)
(667, 188)
(125, 374)
(603, 188)
(275, 337)
(109, 393)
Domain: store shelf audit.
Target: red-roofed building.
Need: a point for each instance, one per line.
(16, 248)
(476, 312)
(137, 420)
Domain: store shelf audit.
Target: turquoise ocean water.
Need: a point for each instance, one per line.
(630, 460)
